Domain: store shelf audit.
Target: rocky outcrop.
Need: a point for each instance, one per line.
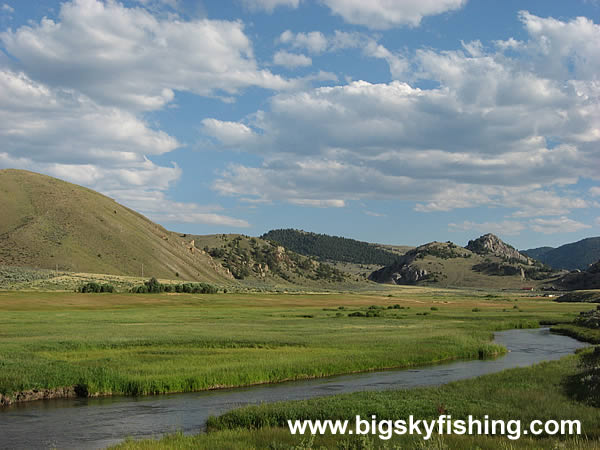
(576, 280)
(490, 244)
(403, 274)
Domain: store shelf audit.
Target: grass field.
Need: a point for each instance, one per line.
(144, 344)
(526, 394)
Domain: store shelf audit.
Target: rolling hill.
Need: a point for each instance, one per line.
(485, 262)
(260, 262)
(577, 255)
(51, 224)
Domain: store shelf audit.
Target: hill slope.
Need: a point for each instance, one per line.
(577, 255)
(487, 262)
(588, 279)
(333, 248)
(256, 260)
(49, 223)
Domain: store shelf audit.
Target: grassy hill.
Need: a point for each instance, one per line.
(334, 248)
(491, 264)
(577, 255)
(51, 224)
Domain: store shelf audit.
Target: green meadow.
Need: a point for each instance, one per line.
(137, 344)
(526, 394)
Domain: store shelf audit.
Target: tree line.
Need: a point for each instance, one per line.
(333, 248)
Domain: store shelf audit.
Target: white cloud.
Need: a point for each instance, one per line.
(67, 135)
(61, 126)
(314, 41)
(506, 227)
(560, 49)
(319, 203)
(595, 191)
(559, 225)
(128, 57)
(317, 43)
(383, 14)
(270, 5)
(230, 134)
(291, 60)
(158, 207)
(480, 138)
(399, 66)
(7, 7)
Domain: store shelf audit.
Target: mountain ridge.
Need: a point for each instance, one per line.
(574, 255)
(485, 261)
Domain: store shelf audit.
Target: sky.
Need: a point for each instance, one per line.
(400, 122)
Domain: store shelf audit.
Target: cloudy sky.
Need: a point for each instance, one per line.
(395, 121)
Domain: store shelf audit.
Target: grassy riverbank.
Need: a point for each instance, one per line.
(145, 344)
(526, 394)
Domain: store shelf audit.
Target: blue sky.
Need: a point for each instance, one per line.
(399, 122)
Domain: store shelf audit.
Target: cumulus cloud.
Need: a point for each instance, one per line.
(291, 60)
(8, 8)
(128, 57)
(63, 126)
(595, 191)
(158, 207)
(66, 134)
(384, 14)
(558, 225)
(480, 137)
(314, 41)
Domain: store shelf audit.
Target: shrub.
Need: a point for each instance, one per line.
(476, 309)
(152, 286)
(94, 287)
(434, 308)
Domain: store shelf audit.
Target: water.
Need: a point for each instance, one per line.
(96, 423)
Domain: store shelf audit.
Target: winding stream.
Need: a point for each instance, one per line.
(96, 423)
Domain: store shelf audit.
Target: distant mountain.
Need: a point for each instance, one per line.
(537, 253)
(49, 223)
(485, 262)
(577, 255)
(333, 248)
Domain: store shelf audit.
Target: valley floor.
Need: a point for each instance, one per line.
(137, 344)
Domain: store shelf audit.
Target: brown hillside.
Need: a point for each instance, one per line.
(49, 223)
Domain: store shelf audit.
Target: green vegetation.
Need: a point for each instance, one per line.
(265, 263)
(576, 255)
(153, 286)
(139, 344)
(526, 394)
(96, 288)
(331, 248)
(445, 264)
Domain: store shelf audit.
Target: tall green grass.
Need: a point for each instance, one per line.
(526, 394)
(159, 343)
